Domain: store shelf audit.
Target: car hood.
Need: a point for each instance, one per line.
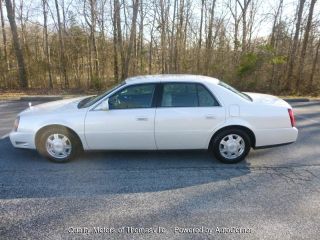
(266, 99)
(55, 106)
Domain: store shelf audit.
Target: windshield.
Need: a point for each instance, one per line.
(92, 100)
(241, 94)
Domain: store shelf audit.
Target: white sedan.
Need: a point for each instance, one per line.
(155, 113)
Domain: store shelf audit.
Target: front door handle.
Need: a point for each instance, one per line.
(210, 116)
(142, 119)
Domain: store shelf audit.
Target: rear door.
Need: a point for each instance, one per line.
(186, 116)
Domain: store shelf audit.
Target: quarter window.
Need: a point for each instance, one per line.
(186, 95)
(205, 98)
(136, 96)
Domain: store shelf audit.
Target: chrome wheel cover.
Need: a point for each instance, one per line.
(58, 146)
(232, 146)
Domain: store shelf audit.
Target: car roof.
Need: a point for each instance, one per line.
(171, 78)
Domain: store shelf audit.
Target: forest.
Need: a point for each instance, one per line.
(89, 45)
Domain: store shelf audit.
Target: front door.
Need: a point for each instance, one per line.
(127, 124)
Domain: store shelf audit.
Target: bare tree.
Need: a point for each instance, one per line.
(46, 41)
(173, 46)
(244, 9)
(294, 47)
(115, 43)
(17, 46)
(119, 43)
(314, 64)
(210, 37)
(273, 42)
(141, 35)
(275, 21)
(200, 36)
(164, 9)
(135, 6)
(78, 43)
(304, 45)
(92, 23)
(179, 35)
(63, 61)
(4, 37)
(236, 20)
(151, 42)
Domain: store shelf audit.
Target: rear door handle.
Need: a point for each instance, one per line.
(142, 119)
(210, 116)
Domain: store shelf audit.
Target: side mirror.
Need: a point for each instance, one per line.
(104, 106)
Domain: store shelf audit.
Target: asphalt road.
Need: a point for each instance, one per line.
(273, 194)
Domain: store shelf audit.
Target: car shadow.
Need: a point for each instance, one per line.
(25, 174)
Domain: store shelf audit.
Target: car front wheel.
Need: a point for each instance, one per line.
(58, 145)
(231, 146)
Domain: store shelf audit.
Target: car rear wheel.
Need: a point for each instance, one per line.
(58, 144)
(231, 146)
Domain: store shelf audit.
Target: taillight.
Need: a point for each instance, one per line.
(293, 121)
(16, 124)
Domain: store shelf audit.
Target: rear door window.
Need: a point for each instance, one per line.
(186, 95)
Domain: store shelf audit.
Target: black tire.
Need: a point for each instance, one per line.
(76, 146)
(223, 135)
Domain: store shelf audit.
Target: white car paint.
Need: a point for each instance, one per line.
(120, 129)
(161, 128)
(186, 128)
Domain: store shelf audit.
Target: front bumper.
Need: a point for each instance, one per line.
(22, 140)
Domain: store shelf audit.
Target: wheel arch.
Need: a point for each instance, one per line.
(44, 128)
(241, 127)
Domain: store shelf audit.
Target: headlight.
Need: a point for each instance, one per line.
(16, 124)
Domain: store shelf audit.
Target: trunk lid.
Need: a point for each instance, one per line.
(265, 99)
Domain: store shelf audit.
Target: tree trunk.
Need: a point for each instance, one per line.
(200, 37)
(46, 42)
(294, 46)
(4, 37)
(115, 45)
(151, 44)
(141, 37)
(17, 47)
(93, 6)
(162, 23)
(172, 67)
(180, 21)
(236, 19)
(244, 31)
(244, 7)
(273, 42)
(131, 40)
(275, 21)
(209, 41)
(304, 45)
(63, 61)
(119, 35)
(314, 65)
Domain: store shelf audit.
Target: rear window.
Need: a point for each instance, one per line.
(232, 89)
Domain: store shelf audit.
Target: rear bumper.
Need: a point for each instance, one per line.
(22, 140)
(275, 137)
